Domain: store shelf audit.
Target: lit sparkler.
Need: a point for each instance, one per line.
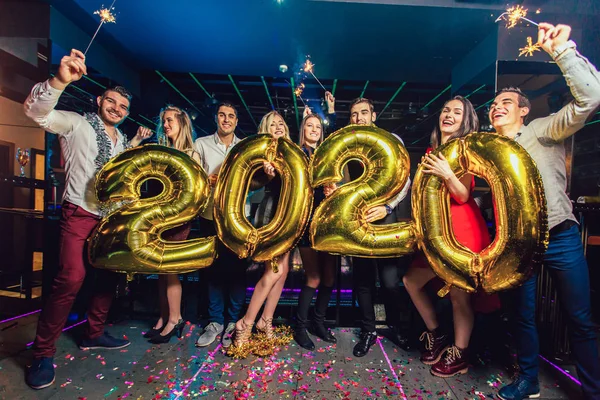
(309, 67)
(106, 17)
(513, 14)
(298, 92)
(529, 48)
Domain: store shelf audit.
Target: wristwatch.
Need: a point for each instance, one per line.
(562, 48)
(388, 209)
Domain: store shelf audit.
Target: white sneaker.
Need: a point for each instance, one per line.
(211, 331)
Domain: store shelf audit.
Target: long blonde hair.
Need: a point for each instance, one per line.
(185, 139)
(263, 127)
(301, 138)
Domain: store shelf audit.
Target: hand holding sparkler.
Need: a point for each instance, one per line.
(330, 100)
(71, 69)
(551, 37)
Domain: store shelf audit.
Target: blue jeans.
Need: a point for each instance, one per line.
(570, 274)
(226, 281)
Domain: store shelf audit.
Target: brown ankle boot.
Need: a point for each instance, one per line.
(455, 361)
(436, 343)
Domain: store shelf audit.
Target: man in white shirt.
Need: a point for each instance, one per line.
(227, 275)
(87, 143)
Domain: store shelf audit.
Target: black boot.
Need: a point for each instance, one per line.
(367, 339)
(320, 310)
(300, 333)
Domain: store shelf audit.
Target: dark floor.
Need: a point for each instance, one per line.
(181, 370)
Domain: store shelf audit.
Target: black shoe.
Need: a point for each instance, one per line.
(153, 332)
(177, 330)
(40, 374)
(323, 333)
(301, 337)
(367, 339)
(103, 342)
(399, 338)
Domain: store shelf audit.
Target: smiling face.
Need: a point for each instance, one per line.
(451, 118)
(113, 108)
(226, 120)
(171, 125)
(312, 131)
(277, 127)
(361, 114)
(505, 112)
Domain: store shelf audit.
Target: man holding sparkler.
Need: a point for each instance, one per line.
(87, 143)
(543, 138)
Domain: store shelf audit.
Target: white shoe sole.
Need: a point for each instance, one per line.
(43, 386)
(105, 348)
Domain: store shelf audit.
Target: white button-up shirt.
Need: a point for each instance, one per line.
(77, 141)
(212, 152)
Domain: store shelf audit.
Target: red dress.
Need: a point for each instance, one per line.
(471, 231)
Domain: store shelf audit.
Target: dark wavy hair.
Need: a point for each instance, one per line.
(469, 124)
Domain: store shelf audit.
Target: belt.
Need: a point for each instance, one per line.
(563, 226)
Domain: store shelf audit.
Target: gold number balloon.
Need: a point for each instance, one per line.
(129, 239)
(519, 208)
(339, 225)
(295, 200)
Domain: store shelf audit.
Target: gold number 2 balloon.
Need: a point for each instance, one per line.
(519, 209)
(129, 239)
(295, 201)
(339, 225)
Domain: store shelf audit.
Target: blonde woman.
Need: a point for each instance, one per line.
(269, 287)
(175, 125)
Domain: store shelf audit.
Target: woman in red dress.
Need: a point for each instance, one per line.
(457, 119)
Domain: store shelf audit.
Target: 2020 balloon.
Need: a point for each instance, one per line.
(129, 239)
(295, 200)
(519, 209)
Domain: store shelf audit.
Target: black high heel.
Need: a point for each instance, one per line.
(177, 330)
(153, 332)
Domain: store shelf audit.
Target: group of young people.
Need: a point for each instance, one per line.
(89, 141)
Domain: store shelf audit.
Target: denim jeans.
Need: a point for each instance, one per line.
(226, 281)
(568, 266)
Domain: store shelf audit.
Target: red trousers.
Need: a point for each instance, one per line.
(76, 225)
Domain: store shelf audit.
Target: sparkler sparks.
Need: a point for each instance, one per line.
(529, 48)
(106, 16)
(309, 67)
(513, 14)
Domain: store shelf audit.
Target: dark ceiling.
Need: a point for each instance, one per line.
(195, 53)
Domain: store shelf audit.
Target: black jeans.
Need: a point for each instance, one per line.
(390, 274)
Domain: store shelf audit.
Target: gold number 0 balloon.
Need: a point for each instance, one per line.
(519, 209)
(339, 224)
(128, 239)
(295, 201)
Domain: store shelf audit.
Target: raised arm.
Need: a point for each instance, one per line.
(44, 96)
(581, 76)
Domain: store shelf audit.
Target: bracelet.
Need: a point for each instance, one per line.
(562, 48)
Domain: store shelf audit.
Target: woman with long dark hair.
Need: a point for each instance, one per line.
(457, 119)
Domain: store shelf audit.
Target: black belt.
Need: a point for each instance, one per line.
(563, 226)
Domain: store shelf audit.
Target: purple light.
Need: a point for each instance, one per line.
(251, 289)
(571, 377)
(392, 369)
(20, 316)
(64, 330)
(204, 364)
